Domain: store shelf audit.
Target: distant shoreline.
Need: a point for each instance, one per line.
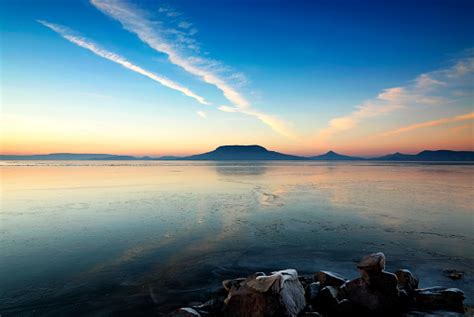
(252, 153)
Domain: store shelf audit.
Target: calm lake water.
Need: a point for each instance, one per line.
(97, 238)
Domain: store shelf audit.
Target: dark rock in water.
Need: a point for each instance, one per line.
(310, 314)
(327, 278)
(346, 307)
(279, 294)
(407, 284)
(184, 312)
(372, 263)
(406, 281)
(358, 291)
(375, 293)
(306, 279)
(311, 292)
(453, 274)
(434, 313)
(227, 284)
(384, 282)
(440, 298)
(327, 299)
(380, 294)
(213, 307)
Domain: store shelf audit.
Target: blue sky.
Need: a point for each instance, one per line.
(286, 74)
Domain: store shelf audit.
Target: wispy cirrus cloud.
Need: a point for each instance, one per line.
(69, 35)
(179, 52)
(202, 114)
(432, 123)
(429, 89)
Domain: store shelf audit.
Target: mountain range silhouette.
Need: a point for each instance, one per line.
(256, 152)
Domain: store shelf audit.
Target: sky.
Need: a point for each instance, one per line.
(182, 77)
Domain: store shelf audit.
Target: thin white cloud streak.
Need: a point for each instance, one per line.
(425, 90)
(84, 43)
(202, 114)
(149, 33)
(433, 123)
(154, 36)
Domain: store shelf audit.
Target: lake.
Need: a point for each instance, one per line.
(122, 237)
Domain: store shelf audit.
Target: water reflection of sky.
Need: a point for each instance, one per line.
(149, 231)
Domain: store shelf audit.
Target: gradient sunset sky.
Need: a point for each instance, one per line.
(182, 77)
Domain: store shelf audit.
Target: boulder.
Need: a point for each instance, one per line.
(278, 294)
(306, 279)
(434, 313)
(346, 307)
(372, 263)
(184, 312)
(311, 292)
(327, 278)
(406, 281)
(453, 274)
(380, 295)
(440, 298)
(227, 284)
(384, 282)
(213, 307)
(326, 300)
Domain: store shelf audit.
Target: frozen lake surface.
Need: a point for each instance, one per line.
(94, 237)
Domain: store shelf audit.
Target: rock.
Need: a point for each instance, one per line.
(184, 312)
(384, 282)
(279, 294)
(306, 279)
(406, 281)
(327, 299)
(440, 298)
(327, 278)
(311, 292)
(348, 308)
(380, 295)
(213, 306)
(434, 313)
(227, 284)
(453, 274)
(310, 314)
(372, 263)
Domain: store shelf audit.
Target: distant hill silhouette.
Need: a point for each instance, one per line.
(439, 155)
(333, 156)
(70, 156)
(242, 152)
(168, 158)
(254, 152)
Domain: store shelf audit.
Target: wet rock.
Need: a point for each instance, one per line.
(306, 279)
(434, 313)
(213, 307)
(327, 299)
(453, 274)
(279, 294)
(406, 281)
(310, 314)
(380, 295)
(327, 278)
(372, 263)
(311, 292)
(346, 307)
(384, 282)
(440, 298)
(184, 312)
(227, 284)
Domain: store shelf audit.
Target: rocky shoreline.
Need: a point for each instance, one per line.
(375, 293)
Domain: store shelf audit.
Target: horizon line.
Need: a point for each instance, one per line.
(151, 156)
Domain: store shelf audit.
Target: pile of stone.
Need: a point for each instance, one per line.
(375, 293)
